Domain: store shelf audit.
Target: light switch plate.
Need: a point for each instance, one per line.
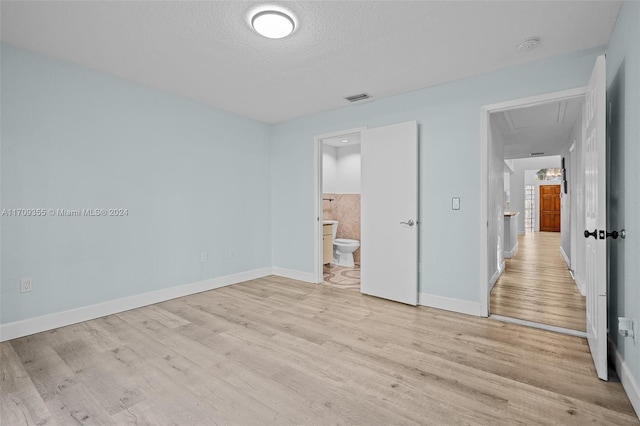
(455, 203)
(26, 285)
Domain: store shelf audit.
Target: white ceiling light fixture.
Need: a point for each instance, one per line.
(273, 23)
(345, 141)
(529, 44)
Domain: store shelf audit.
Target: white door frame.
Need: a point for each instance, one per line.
(573, 213)
(485, 111)
(317, 197)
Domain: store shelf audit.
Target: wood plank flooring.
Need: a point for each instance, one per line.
(537, 286)
(275, 351)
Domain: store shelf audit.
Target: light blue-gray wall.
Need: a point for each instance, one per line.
(194, 180)
(623, 206)
(449, 120)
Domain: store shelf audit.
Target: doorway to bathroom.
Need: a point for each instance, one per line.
(341, 213)
(388, 248)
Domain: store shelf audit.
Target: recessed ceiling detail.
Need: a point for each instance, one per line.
(548, 114)
(539, 129)
(339, 141)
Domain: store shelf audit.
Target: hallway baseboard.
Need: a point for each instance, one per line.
(496, 276)
(582, 287)
(450, 304)
(629, 383)
(565, 257)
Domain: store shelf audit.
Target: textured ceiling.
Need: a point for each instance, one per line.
(541, 128)
(207, 51)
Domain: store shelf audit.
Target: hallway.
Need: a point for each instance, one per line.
(537, 286)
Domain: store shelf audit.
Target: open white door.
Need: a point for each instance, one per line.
(595, 215)
(389, 208)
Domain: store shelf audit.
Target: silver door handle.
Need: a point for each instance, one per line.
(410, 222)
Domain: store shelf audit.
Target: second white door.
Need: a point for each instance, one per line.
(389, 203)
(596, 215)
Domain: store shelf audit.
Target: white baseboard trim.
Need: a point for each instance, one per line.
(294, 274)
(511, 253)
(565, 257)
(494, 278)
(29, 326)
(629, 383)
(582, 287)
(450, 304)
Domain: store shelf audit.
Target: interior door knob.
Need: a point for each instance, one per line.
(588, 234)
(615, 234)
(410, 222)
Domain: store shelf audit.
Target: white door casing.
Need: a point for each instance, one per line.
(594, 140)
(485, 138)
(318, 275)
(389, 196)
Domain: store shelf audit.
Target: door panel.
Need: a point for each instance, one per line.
(595, 215)
(549, 208)
(389, 186)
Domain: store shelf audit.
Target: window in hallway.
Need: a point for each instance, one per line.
(529, 207)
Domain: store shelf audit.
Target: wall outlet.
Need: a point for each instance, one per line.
(26, 285)
(203, 257)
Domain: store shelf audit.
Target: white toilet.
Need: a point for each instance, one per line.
(343, 248)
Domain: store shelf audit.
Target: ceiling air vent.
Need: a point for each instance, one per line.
(536, 154)
(356, 98)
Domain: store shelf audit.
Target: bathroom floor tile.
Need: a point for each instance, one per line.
(341, 277)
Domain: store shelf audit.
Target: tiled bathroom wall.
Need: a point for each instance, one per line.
(345, 208)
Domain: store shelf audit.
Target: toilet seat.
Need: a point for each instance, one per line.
(345, 242)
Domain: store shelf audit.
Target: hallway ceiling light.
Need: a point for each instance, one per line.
(273, 24)
(345, 141)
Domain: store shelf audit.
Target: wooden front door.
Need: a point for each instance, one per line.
(549, 208)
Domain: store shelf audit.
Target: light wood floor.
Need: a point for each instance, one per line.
(275, 351)
(537, 286)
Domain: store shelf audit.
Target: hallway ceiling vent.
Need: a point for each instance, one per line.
(529, 44)
(359, 97)
(536, 154)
